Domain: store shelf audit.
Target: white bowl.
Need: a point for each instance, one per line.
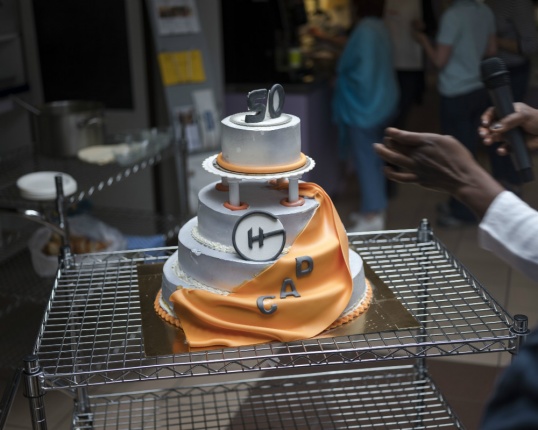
(42, 185)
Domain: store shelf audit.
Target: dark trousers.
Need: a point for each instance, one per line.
(412, 85)
(514, 404)
(460, 118)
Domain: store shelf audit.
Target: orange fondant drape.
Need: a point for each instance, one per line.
(210, 319)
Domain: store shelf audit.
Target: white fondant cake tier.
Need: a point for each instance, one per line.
(273, 143)
(176, 273)
(216, 222)
(206, 258)
(213, 266)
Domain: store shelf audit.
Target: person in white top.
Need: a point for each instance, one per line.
(399, 17)
(508, 227)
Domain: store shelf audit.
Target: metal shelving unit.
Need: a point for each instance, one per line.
(23, 292)
(90, 178)
(22, 287)
(91, 336)
(392, 398)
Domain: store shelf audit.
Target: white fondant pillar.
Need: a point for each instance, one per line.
(233, 193)
(293, 190)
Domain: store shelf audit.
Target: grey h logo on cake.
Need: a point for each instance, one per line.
(262, 236)
(267, 244)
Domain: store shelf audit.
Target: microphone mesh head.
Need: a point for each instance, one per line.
(494, 73)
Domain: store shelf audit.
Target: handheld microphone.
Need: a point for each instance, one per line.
(497, 80)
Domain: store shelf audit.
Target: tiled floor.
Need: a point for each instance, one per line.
(476, 373)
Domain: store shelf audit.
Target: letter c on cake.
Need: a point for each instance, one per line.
(261, 307)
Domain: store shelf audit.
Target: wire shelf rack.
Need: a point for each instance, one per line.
(91, 331)
(388, 398)
(90, 178)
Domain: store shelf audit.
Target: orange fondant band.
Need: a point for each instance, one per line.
(242, 206)
(296, 203)
(343, 320)
(262, 169)
(215, 320)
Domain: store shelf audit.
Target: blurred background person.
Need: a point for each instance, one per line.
(364, 103)
(465, 37)
(409, 60)
(517, 40)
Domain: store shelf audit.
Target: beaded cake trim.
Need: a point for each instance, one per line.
(363, 306)
(163, 314)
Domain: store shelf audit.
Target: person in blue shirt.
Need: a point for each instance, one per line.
(365, 102)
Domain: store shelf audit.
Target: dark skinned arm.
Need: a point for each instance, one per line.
(440, 163)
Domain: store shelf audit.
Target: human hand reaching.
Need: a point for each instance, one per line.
(440, 163)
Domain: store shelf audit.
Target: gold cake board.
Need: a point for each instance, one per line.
(386, 313)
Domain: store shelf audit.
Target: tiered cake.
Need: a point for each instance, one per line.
(267, 257)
